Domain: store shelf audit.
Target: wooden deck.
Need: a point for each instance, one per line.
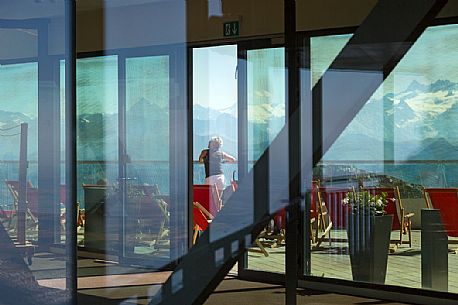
(333, 261)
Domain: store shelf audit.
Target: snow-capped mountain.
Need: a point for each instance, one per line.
(406, 121)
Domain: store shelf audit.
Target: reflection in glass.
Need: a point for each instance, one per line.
(400, 142)
(215, 109)
(97, 136)
(147, 181)
(266, 118)
(33, 209)
(19, 96)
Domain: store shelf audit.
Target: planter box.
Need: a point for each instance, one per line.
(368, 242)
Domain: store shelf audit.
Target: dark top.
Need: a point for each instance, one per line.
(213, 162)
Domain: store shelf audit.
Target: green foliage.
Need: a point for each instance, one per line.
(364, 202)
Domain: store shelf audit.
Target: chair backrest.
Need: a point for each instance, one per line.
(314, 199)
(399, 205)
(208, 197)
(234, 185)
(150, 212)
(13, 187)
(333, 196)
(199, 218)
(32, 194)
(446, 201)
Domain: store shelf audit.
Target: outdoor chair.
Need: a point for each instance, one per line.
(31, 201)
(206, 204)
(201, 218)
(279, 229)
(152, 214)
(320, 220)
(405, 219)
(276, 236)
(333, 198)
(208, 196)
(446, 201)
(402, 220)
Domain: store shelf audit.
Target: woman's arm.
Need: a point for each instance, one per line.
(228, 158)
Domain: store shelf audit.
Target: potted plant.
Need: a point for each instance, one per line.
(368, 230)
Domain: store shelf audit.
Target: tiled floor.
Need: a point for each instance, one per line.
(333, 261)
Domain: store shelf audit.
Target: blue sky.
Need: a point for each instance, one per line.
(214, 76)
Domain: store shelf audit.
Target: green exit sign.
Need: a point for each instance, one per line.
(231, 29)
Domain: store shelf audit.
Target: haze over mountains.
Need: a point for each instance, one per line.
(419, 124)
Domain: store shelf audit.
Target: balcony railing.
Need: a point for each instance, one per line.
(428, 173)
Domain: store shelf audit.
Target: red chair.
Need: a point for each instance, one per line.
(333, 197)
(201, 218)
(32, 201)
(208, 196)
(446, 201)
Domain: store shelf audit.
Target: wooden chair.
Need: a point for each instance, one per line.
(333, 197)
(320, 220)
(402, 220)
(278, 238)
(32, 202)
(446, 201)
(153, 216)
(405, 219)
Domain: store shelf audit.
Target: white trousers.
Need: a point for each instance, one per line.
(219, 180)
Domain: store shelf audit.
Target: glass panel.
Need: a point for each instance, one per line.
(215, 110)
(323, 51)
(33, 229)
(19, 83)
(133, 147)
(148, 162)
(266, 118)
(97, 139)
(402, 140)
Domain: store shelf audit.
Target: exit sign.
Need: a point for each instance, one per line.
(231, 29)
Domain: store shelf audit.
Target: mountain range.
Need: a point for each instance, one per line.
(419, 123)
(416, 124)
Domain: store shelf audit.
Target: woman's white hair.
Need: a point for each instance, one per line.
(215, 142)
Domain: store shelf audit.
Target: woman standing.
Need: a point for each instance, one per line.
(213, 157)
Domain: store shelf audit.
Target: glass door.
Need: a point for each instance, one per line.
(262, 101)
(145, 173)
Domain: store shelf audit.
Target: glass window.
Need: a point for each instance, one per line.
(215, 109)
(97, 140)
(34, 233)
(398, 154)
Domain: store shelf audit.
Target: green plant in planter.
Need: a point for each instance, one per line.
(368, 231)
(365, 203)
